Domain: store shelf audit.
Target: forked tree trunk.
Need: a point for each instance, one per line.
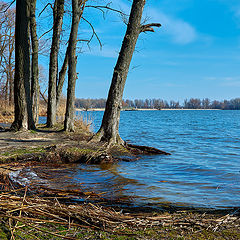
(77, 10)
(109, 130)
(34, 63)
(58, 12)
(22, 100)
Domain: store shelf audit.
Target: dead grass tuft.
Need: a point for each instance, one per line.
(83, 124)
(6, 112)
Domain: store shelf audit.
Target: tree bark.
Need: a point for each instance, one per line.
(34, 63)
(109, 130)
(58, 12)
(61, 77)
(77, 10)
(22, 101)
(10, 64)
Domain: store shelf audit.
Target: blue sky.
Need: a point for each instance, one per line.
(196, 52)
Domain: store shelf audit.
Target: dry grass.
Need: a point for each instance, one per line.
(22, 212)
(83, 124)
(6, 112)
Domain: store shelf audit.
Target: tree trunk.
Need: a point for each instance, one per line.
(34, 63)
(58, 12)
(22, 101)
(10, 65)
(61, 77)
(6, 88)
(110, 124)
(77, 10)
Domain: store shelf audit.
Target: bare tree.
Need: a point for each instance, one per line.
(22, 99)
(34, 62)
(7, 22)
(58, 12)
(61, 77)
(108, 131)
(77, 11)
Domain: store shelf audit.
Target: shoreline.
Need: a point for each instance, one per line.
(89, 217)
(145, 109)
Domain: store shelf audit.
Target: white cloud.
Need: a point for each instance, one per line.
(180, 31)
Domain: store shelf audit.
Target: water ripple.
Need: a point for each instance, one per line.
(203, 170)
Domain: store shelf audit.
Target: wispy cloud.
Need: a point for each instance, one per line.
(179, 31)
(106, 51)
(226, 81)
(231, 81)
(231, 84)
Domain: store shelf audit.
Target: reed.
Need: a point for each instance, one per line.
(43, 212)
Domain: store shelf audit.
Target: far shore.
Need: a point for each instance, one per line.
(146, 109)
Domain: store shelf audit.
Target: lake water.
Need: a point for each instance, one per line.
(203, 170)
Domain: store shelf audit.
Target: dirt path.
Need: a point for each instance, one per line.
(31, 139)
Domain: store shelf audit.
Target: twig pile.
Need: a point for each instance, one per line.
(23, 210)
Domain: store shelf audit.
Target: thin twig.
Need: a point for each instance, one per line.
(10, 4)
(100, 8)
(45, 33)
(94, 33)
(45, 8)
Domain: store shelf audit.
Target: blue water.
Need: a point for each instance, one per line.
(203, 170)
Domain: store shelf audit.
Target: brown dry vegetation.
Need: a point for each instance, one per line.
(29, 214)
(41, 213)
(7, 111)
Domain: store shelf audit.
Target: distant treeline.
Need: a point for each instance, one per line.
(192, 103)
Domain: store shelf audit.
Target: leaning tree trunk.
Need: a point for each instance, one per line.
(77, 10)
(58, 12)
(34, 63)
(22, 101)
(108, 131)
(61, 77)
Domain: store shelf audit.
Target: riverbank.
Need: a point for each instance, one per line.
(30, 214)
(38, 212)
(145, 109)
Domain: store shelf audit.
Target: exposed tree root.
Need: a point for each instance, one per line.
(110, 141)
(115, 141)
(145, 150)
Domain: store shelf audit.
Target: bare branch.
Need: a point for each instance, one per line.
(149, 27)
(10, 4)
(93, 33)
(43, 97)
(49, 4)
(108, 8)
(46, 33)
